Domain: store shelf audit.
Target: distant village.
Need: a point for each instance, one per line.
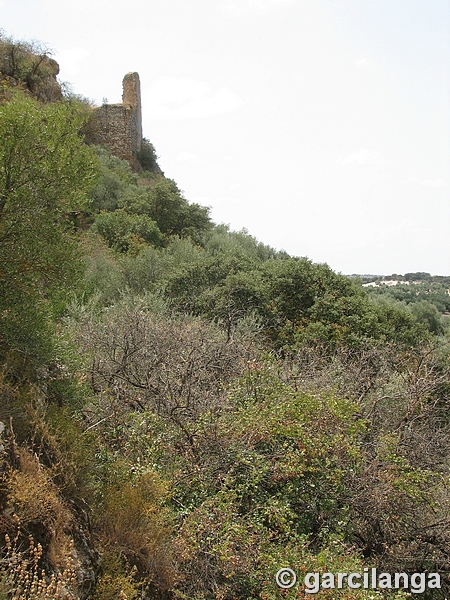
(419, 278)
(390, 283)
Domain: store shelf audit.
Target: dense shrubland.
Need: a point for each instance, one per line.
(427, 298)
(185, 410)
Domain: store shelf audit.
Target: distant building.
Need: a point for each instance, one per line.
(388, 283)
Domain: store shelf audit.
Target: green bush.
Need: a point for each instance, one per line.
(127, 232)
(148, 158)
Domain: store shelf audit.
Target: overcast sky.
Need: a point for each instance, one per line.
(321, 126)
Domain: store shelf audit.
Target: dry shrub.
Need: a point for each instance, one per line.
(50, 431)
(34, 498)
(174, 366)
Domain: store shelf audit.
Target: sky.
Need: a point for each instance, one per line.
(320, 126)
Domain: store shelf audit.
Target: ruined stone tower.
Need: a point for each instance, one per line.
(119, 126)
(131, 97)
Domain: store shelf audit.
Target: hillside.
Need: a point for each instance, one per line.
(185, 410)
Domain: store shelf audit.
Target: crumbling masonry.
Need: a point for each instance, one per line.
(119, 126)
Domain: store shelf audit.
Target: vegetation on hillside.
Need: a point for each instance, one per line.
(185, 410)
(426, 296)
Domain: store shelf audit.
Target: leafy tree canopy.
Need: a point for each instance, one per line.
(45, 171)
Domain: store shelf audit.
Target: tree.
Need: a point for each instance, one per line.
(28, 66)
(164, 203)
(427, 313)
(45, 170)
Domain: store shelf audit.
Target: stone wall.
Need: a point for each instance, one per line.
(119, 126)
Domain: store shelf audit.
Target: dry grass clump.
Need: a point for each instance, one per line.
(38, 558)
(22, 578)
(34, 498)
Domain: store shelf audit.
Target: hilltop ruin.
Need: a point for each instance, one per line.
(119, 126)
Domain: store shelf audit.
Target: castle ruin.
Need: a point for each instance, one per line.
(119, 126)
